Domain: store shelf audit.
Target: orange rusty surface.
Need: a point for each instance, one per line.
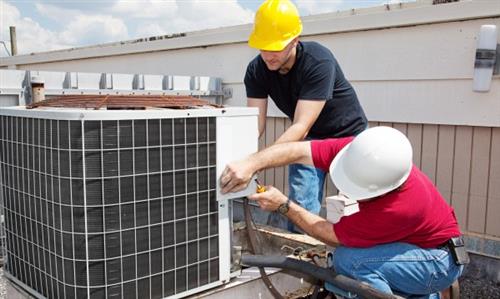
(132, 102)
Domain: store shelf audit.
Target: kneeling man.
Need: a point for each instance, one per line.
(404, 238)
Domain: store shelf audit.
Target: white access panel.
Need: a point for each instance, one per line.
(237, 137)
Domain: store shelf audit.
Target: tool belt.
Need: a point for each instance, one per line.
(456, 247)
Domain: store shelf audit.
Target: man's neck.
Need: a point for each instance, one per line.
(285, 68)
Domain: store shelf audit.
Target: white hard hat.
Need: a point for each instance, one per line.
(377, 161)
(37, 79)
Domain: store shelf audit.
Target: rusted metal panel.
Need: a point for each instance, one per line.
(122, 102)
(493, 204)
(461, 174)
(444, 171)
(479, 179)
(429, 151)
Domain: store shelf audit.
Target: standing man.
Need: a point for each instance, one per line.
(306, 83)
(404, 237)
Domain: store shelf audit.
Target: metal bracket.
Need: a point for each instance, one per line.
(138, 82)
(227, 92)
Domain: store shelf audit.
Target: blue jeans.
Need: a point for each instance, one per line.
(400, 268)
(305, 185)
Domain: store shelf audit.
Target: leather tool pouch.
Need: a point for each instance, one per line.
(457, 250)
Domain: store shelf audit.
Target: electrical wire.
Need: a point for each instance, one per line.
(363, 290)
(253, 247)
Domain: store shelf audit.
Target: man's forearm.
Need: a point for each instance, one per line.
(313, 225)
(237, 174)
(306, 114)
(296, 132)
(261, 104)
(282, 154)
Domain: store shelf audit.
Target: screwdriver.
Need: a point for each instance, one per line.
(260, 188)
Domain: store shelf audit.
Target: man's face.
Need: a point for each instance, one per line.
(277, 60)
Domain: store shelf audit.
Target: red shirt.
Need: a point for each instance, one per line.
(415, 213)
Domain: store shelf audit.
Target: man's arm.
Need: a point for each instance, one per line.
(306, 114)
(238, 174)
(310, 223)
(262, 105)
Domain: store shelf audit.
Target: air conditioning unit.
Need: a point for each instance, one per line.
(119, 203)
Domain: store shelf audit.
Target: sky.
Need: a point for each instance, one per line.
(44, 25)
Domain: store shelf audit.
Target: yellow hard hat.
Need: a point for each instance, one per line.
(277, 22)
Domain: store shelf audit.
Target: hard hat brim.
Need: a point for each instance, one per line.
(256, 43)
(345, 185)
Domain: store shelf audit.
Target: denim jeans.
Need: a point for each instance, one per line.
(305, 185)
(399, 268)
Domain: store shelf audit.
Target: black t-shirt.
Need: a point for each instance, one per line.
(315, 75)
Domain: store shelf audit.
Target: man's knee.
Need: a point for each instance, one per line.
(343, 261)
(346, 261)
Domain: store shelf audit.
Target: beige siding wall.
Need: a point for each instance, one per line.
(463, 162)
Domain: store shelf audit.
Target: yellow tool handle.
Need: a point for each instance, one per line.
(260, 188)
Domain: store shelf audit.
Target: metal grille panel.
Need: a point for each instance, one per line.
(118, 208)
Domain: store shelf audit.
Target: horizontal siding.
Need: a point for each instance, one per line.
(463, 162)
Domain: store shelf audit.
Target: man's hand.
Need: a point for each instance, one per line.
(312, 224)
(269, 200)
(236, 176)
